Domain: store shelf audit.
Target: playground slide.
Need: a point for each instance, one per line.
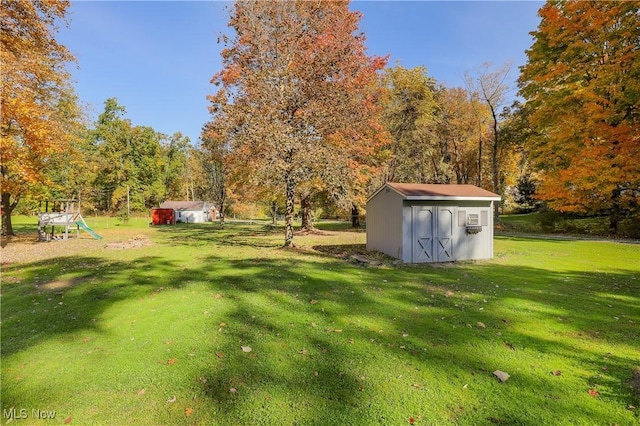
(91, 232)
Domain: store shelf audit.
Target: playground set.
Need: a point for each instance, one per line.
(62, 214)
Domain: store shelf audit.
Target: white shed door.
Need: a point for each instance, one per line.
(444, 238)
(422, 233)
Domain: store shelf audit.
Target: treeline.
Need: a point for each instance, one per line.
(303, 119)
(116, 167)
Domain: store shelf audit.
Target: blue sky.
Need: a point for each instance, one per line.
(157, 57)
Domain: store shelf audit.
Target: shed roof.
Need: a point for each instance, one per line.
(422, 191)
(185, 205)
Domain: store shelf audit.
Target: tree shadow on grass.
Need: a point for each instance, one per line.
(68, 294)
(332, 343)
(441, 336)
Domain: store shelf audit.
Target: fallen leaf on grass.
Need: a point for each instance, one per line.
(481, 325)
(412, 420)
(141, 392)
(218, 296)
(219, 354)
(417, 386)
(501, 375)
(246, 348)
(594, 392)
(188, 411)
(313, 302)
(557, 373)
(172, 361)
(172, 399)
(631, 407)
(67, 420)
(233, 390)
(303, 351)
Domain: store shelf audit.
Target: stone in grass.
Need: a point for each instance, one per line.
(501, 375)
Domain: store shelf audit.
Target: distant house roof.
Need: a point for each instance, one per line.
(421, 191)
(185, 205)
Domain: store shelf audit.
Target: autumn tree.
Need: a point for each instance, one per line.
(35, 86)
(214, 149)
(582, 84)
(293, 98)
(457, 129)
(492, 89)
(518, 174)
(410, 110)
(70, 173)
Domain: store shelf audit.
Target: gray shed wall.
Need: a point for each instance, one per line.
(465, 247)
(385, 224)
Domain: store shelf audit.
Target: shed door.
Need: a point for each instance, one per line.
(444, 238)
(422, 233)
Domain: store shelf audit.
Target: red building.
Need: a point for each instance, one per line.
(163, 217)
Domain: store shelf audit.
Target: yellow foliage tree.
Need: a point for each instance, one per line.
(35, 92)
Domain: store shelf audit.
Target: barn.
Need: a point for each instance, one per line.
(189, 211)
(420, 223)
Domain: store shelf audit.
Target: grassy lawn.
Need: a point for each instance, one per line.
(221, 327)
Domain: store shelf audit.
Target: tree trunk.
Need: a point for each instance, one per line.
(355, 216)
(288, 216)
(305, 212)
(222, 199)
(274, 213)
(480, 161)
(221, 214)
(614, 218)
(495, 171)
(7, 209)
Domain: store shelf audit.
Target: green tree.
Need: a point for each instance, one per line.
(130, 162)
(176, 154)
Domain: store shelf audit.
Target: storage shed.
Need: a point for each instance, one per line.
(420, 223)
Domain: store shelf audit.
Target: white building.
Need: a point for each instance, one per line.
(190, 211)
(431, 222)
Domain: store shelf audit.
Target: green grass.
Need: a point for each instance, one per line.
(112, 336)
(549, 222)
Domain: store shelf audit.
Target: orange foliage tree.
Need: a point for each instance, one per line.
(582, 84)
(35, 92)
(295, 100)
